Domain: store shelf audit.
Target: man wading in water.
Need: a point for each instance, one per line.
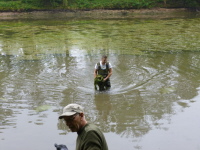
(104, 68)
(89, 136)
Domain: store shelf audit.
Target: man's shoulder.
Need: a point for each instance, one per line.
(98, 64)
(109, 65)
(93, 131)
(91, 127)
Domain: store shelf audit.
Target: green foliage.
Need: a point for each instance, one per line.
(87, 4)
(26, 5)
(15, 6)
(129, 4)
(112, 4)
(184, 3)
(50, 3)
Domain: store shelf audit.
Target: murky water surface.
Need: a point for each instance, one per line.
(154, 100)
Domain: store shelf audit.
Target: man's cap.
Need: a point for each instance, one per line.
(71, 109)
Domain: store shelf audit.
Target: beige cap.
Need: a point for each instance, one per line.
(71, 109)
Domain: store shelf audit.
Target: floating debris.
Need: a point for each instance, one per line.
(42, 108)
(167, 90)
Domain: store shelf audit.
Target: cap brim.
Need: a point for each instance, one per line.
(67, 114)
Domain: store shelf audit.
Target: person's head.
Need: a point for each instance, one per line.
(104, 59)
(73, 115)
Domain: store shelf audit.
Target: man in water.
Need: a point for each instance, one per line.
(104, 68)
(89, 136)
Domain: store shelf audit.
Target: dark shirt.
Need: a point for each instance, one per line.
(90, 138)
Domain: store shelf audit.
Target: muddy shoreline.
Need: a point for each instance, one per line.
(98, 14)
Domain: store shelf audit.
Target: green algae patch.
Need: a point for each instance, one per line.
(33, 39)
(42, 108)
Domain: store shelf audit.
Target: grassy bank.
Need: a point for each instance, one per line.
(29, 5)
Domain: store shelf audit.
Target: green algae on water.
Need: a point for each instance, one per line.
(31, 39)
(42, 108)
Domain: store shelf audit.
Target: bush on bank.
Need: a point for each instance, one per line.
(26, 5)
(16, 6)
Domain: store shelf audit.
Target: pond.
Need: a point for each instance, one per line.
(153, 104)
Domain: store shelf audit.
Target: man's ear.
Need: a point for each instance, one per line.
(81, 114)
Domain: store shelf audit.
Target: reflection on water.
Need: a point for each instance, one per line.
(44, 66)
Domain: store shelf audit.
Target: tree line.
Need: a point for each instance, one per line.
(117, 4)
(96, 4)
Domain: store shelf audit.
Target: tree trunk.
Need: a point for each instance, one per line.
(65, 2)
(165, 2)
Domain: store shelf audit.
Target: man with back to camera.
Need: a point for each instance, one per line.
(89, 136)
(104, 68)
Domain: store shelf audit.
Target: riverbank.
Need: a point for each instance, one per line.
(100, 14)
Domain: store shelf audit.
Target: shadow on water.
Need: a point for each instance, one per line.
(148, 87)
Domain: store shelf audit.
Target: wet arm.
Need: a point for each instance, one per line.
(95, 73)
(110, 73)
